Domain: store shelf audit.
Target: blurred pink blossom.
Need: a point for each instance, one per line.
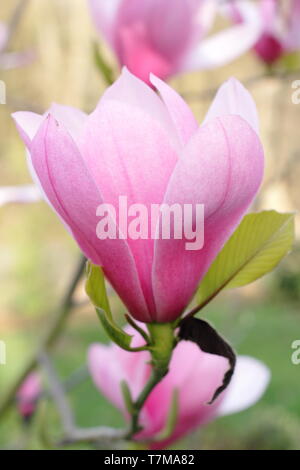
(166, 37)
(195, 374)
(280, 27)
(28, 394)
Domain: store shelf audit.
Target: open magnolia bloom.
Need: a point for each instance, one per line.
(280, 27)
(167, 37)
(149, 150)
(193, 373)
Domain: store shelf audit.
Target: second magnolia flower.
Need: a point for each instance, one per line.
(151, 150)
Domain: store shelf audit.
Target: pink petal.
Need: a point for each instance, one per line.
(181, 114)
(269, 48)
(225, 155)
(73, 194)
(71, 118)
(196, 375)
(125, 148)
(27, 124)
(103, 13)
(140, 56)
(30, 388)
(292, 40)
(169, 25)
(248, 384)
(128, 89)
(233, 98)
(269, 12)
(28, 394)
(106, 373)
(109, 365)
(227, 45)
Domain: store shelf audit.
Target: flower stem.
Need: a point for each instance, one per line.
(162, 342)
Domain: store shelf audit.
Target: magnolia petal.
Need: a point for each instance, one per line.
(160, 19)
(103, 13)
(130, 90)
(292, 39)
(72, 119)
(195, 375)
(130, 155)
(227, 45)
(233, 98)
(247, 386)
(106, 373)
(227, 156)
(72, 192)
(181, 114)
(27, 124)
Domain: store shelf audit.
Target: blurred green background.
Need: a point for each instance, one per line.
(38, 256)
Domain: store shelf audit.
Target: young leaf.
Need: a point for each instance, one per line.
(256, 247)
(96, 290)
(116, 334)
(95, 287)
(104, 68)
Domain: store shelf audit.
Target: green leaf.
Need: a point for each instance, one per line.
(96, 290)
(126, 393)
(104, 68)
(95, 287)
(116, 334)
(255, 248)
(169, 427)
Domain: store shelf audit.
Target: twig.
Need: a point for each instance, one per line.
(49, 337)
(76, 378)
(162, 342)
(57, 392)
(156, 376)
(71, 432)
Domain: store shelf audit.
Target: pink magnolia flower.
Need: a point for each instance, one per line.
(166, 37)
(28, 394)
(151, 150)
(195, 374)
(281, 28)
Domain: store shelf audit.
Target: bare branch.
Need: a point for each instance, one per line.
(50, 335)
(72, 433)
